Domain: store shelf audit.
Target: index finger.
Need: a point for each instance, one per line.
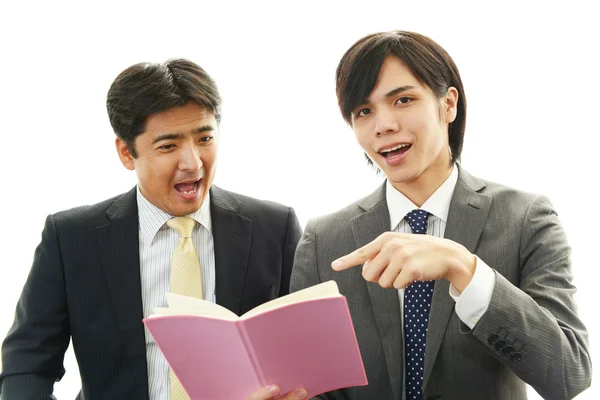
(266, 393)
(358, 256)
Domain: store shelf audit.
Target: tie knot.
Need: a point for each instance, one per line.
(417, 219)
(183, 225)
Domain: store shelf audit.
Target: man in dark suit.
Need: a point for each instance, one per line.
(465, 289)
(100, 269)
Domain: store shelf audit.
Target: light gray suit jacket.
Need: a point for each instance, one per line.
(530, 333)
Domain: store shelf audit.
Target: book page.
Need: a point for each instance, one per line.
(184, 305)
(322, 290)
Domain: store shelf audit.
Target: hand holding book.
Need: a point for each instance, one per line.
(272, 392)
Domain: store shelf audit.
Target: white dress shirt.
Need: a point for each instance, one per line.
(156, 245)
(474, 301)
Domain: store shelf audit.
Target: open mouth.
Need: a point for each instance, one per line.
(396, 150)
(187, 188)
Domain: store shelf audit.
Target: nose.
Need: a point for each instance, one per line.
(386, 122)
(189, 158)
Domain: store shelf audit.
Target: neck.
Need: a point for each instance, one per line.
(419, 189)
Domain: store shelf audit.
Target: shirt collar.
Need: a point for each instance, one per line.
(437, 204)
(152, 218)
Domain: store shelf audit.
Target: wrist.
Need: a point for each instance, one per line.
(462, 268)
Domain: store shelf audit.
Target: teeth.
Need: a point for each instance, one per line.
(394, 148)
(193, 190)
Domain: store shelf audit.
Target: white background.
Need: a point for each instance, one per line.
(530, 71)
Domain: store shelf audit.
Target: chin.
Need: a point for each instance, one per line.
(179, 210)
(401, 175)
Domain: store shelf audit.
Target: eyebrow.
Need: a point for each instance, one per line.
(171, 136)
(398, 90)
(389, 94)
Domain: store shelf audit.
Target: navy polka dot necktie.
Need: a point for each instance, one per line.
(417, 302)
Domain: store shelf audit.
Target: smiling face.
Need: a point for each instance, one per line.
(403, 128)
(176, 158)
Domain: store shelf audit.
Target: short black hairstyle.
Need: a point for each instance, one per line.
(357, 73)
(146, 88)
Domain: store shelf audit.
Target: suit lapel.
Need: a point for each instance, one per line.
(466, 220)
(118, 246)
(386, 304)
(232, 234)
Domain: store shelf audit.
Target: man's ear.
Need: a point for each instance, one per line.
(450, 104)
(124, 154)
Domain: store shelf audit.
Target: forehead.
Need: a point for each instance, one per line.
(392, 75)
(180, 119)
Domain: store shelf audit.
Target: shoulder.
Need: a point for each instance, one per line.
(248, 206)
(498, 192)
(341, 216)
(94, 215)
(507, 193)
(340, 221)
(505, 200)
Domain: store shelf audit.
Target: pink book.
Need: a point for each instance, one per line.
(305, 339)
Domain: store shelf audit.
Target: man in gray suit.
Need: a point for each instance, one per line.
(483, 302)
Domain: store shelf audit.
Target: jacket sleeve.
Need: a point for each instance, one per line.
(33, 351)
(534, 327)
(292, 235)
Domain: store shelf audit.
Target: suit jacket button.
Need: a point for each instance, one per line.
(500, 344)
(515, 357)
(508, 350)
(493, 338)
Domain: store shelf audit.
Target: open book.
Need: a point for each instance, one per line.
(305, 339)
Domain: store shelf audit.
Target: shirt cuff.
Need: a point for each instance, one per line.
(474, 301)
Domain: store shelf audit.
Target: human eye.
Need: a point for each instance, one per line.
(363, 112)
(166, 147)
(403, 100)
(206, 139)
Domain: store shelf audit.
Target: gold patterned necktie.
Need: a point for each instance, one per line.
(185, 278)
(185, 267)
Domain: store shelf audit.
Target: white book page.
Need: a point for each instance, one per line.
(184, 305)
(320, 291)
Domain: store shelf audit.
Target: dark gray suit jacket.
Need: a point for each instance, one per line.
(85, 285)
(530, 332)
